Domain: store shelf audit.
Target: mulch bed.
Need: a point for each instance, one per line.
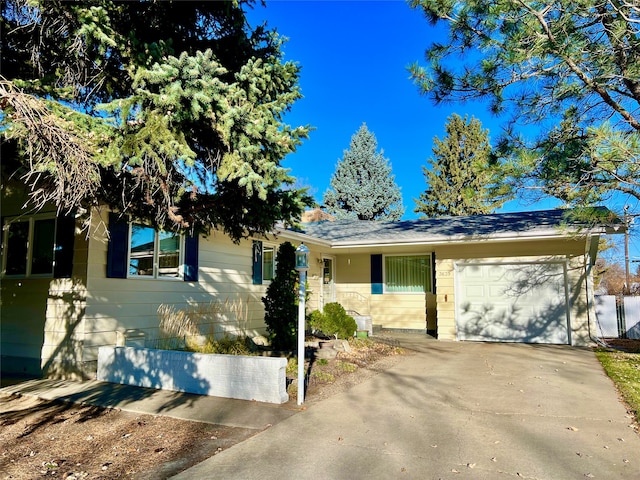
(631, 345)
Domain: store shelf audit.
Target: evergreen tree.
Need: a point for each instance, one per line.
(460, 178)
(362, 186)
(568, 68)
(281, 301)
(171, 112)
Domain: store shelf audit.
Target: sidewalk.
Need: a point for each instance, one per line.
(220, 411)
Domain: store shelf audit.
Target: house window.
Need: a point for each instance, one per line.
(29, 247)
(268, 263)
(154, 254)
(407, 273)
(264, 263)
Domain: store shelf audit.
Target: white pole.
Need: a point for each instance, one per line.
(301, 311)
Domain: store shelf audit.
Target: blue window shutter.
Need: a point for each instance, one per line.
(191, 258)
(63, 253)
(117, 251)
(376, 274)
(257, 262)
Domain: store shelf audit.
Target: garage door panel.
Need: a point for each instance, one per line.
(475, 291)
(496, 292)
(512, 303)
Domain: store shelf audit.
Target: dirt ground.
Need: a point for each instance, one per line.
(625, 344)
(42, 439)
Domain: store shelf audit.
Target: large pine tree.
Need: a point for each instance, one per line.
(171, 112)
(362, 186)
(461, 180)
(568, 69)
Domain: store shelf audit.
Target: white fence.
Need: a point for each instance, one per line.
(618, 316)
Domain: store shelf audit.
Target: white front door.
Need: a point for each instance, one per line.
(328, 294)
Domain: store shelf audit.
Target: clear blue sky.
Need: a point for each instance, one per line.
(354, 57)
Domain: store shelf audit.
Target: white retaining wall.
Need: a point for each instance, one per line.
(233, 376)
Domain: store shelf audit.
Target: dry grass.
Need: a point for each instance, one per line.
(325, 376)
(201, 327)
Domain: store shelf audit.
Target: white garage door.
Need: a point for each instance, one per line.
(515, 302)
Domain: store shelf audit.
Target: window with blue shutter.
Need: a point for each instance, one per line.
(149, 253)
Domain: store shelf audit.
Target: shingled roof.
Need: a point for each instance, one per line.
(537, 224)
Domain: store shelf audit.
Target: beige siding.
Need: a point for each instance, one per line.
(532, 248)
(24, 309)
(415, 312)
(400, 311)
(445, 299)
(393, 311)
(578, 301)
(117, 305)
(314, 281)
(58, 325)
(543, 250)
(42, 318)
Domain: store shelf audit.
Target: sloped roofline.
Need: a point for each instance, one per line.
(505, 227)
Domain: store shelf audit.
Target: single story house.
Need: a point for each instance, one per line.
(516, 277)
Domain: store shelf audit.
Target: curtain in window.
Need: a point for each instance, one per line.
(410, 274)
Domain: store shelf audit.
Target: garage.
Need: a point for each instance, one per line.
(512, 302)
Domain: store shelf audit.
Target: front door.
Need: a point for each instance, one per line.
(328, 283)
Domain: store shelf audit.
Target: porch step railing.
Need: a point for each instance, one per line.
(354, 303)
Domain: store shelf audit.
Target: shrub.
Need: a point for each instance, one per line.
(281, 301)
(333, 320)
(227, 345)
(316, 321)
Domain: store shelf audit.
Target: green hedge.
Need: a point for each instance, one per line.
(333, 321)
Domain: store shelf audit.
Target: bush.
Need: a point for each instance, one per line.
(227, 345)
(334, 321)
(281, 301)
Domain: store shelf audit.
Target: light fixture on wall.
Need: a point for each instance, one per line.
(320, 261)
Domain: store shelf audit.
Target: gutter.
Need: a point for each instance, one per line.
(303, 237)
(442, 240)
(448, 241)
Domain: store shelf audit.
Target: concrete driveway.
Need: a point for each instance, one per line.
(453, 411)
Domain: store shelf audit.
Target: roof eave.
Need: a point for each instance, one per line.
(501, 237)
